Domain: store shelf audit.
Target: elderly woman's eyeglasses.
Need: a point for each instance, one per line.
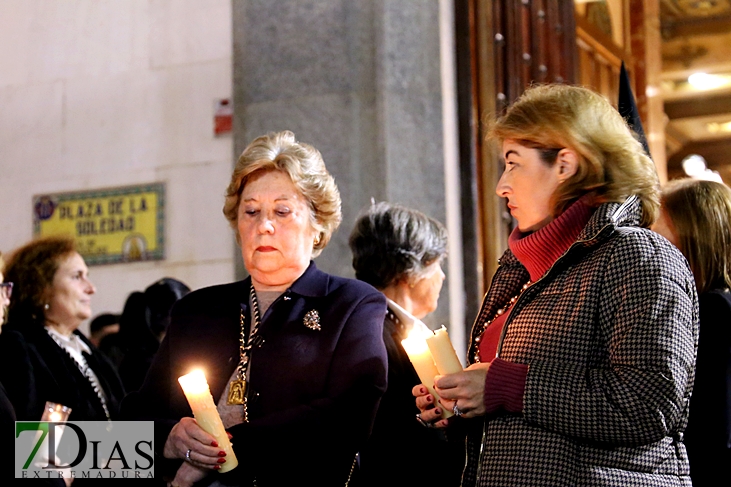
(6, 289)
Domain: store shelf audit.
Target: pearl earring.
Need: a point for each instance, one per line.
(46, 306)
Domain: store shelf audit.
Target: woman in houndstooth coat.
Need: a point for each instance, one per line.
(582, 357)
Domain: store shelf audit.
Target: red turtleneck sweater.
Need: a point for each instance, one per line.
(537, 251)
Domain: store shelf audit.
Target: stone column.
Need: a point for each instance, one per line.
(359, 80)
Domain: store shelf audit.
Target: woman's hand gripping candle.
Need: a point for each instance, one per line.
(460, 393)
(189, 439)
(421, 358)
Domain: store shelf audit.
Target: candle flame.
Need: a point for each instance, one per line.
(415, 342)
(55, 413)
(194, 382)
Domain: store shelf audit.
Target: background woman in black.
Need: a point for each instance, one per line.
(399, 251)
(43, 356)
(142, 327)
(7, 414)
(696, 217)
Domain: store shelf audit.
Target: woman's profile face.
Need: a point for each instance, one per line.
(425, 293)
(528, 184)
(275, 230)
(69, 297)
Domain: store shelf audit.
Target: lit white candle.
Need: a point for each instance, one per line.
(204, 409)
(443, 352)
(54, 413)
(421, 358)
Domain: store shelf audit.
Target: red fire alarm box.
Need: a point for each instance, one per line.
(223, 117)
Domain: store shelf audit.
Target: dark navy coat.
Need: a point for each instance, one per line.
(313, 394)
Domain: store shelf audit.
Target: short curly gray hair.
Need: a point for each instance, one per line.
(391, 242)
(280, 151)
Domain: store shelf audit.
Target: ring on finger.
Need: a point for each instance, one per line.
(457, 411)
(187, 455)
(421, 421)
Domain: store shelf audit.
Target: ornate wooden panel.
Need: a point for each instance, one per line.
(516, 43)
(512, 44)
(600, 59)
(533, 43)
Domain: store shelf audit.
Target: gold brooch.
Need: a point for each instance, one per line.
(312, 320)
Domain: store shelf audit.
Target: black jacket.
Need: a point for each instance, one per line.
(34, 369)
(395, 452)
(708, 435)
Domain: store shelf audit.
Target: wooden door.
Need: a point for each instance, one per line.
(512, 44)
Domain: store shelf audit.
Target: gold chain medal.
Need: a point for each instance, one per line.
(237, 392)
(237, 387)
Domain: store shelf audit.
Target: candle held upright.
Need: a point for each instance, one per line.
(54, 413)
(443, 352)
(421, 358)
(195, 388)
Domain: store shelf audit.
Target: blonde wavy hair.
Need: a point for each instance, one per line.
(612, 163)
(280, 151)
(701, 214)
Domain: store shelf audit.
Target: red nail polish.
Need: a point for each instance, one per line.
(422, 390)
(429, 398)
(438, 411)
(217, 467)
(221, 460)
(214, 444)
(222, 454)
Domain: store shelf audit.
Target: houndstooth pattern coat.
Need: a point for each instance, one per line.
(610, 334)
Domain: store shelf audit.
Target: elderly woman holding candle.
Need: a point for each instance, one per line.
(7, 411)
(582, 356)
(399, 251)
(294, 357)
(43, 355)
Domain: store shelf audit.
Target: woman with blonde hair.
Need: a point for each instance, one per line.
(581, 358)
(696, 217)
(294, 357)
